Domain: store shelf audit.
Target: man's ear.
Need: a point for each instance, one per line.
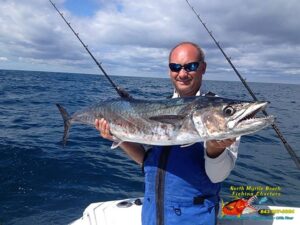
(203, 67)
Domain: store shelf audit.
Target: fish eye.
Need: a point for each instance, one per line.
(228, 111)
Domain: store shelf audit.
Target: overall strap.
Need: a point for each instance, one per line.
(160, 184)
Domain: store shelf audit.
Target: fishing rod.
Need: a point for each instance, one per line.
(284, 141)
(121, 92)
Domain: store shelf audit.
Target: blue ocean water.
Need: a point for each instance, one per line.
(43, 183)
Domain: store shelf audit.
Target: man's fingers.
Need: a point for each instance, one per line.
(221, 143)
(97, 124)
(103, 127)
(101, 124)
(228, 142)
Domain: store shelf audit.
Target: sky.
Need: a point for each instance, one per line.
(133, 38)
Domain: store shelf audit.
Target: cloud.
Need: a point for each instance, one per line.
(3, 59)
(134, 37)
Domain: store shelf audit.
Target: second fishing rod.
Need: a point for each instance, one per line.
(289, 149)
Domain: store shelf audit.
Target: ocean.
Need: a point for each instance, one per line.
(43, 183)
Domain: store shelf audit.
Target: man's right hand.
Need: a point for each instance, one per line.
(103, 127)
(134, 150)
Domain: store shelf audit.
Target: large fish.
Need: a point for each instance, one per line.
(177, 121)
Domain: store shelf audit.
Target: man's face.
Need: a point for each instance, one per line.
(186, 83)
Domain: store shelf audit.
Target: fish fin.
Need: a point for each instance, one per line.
(188, 108)
(67, 122)
(172, 119)
(187, 145)
(116, 144)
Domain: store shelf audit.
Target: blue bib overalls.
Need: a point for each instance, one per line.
(177, 189)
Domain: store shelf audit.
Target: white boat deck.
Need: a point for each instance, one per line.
(128, 212)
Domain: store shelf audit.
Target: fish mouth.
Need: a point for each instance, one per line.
(248, 117)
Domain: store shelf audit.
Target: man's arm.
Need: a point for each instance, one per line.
(220, 157)
(133, 150)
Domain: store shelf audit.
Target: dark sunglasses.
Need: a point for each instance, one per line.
(192, 66)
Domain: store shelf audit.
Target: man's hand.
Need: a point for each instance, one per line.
(215, 148)
(134, 150)
(103, 126)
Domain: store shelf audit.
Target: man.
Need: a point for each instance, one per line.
(182, 184)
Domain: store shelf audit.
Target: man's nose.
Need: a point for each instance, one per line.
(182, 73)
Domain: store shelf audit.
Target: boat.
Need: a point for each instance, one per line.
(128, 212)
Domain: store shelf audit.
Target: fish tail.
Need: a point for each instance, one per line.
(67, 122)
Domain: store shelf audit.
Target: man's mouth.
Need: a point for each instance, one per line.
(185, 81)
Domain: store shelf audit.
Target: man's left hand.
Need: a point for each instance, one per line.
(214, 148)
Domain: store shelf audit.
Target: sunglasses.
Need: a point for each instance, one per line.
(189, 67)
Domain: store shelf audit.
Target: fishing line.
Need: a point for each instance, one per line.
(284, 141)
(122, 93)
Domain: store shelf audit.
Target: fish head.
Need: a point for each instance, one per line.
(224, 118)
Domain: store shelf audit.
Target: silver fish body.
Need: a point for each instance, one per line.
(178, 121)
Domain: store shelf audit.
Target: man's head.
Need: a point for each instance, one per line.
(187, 67)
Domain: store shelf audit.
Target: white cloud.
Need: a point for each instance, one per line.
(3, 59)
(134, 37)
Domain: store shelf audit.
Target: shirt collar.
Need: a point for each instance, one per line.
(176, 94)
